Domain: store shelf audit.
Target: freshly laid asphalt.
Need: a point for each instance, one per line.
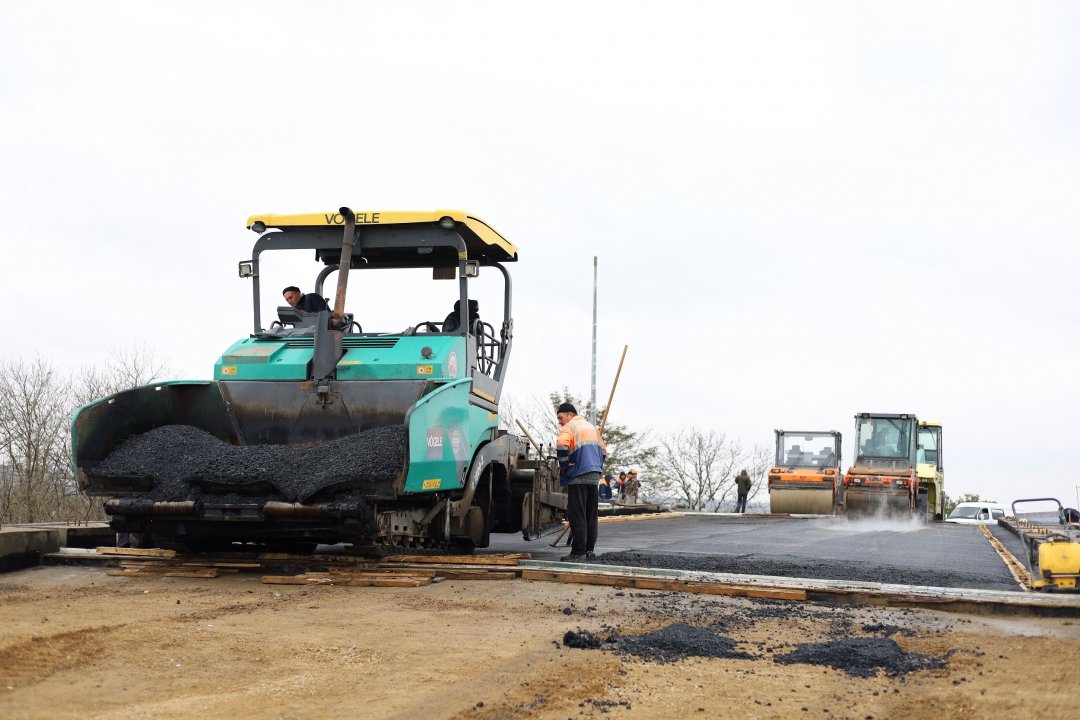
(934, 554)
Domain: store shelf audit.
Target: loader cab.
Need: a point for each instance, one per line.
(885, 440)
(928, 452)
(930, 469)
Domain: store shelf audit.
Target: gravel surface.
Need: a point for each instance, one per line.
(838, 569)
(180, 456)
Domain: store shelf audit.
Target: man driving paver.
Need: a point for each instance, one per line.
(307, 302)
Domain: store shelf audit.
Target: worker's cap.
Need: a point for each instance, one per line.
(609, 476)
(566, 407)
(634, 471)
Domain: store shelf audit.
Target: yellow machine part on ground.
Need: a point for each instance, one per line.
(1059, 564)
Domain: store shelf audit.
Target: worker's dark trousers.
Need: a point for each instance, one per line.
(581, 513)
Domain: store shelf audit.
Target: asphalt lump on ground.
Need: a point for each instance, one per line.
(862, 657)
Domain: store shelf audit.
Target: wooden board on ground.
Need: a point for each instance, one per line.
(141, 552)
(352, 581)
(590, 577)
(639, 516)
(238, 565)
(503, 559)
(193, 573)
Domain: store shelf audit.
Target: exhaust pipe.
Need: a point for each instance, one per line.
(328, 349)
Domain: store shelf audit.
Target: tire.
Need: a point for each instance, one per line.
(922, 506)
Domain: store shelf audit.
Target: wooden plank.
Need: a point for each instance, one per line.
(143, 552)
(321, 579)
(384, 572)
(383, 582)
(638, 516)
(646, 583)
(506, 559)
(193, 573)
(239, 565)
(295, 580)
(1019, 572)
(440, 569)
(130, 572)
(145, 564)
(477, 575)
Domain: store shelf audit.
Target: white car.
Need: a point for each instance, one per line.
(976, 513)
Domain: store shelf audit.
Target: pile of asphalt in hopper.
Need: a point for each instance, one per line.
(176, 456)
(862, 657)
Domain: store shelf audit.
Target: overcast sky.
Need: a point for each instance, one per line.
(801, 210)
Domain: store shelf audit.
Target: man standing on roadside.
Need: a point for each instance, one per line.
(742, 485)
(581, 453)
(633, 487)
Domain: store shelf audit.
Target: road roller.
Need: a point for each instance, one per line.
(805, 472)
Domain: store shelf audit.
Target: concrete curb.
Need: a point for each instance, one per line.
(851, 591)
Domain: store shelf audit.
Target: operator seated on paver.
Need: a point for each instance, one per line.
(452, 321)
(305, 302)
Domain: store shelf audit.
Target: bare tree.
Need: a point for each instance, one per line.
(34, 418)
(626, 448)
(699, 468)
(36, 406)
(123, 370)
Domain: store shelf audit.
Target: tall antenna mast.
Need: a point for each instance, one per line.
(592, 396)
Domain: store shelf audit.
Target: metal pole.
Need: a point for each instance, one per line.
(592, 396)
(607, 408)
(349, 237)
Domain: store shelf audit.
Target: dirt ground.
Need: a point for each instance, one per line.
(75, 642)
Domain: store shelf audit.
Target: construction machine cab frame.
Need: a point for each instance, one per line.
(883, 479)
(804, 476)
(930, 469)
(790, 452)
(450, 242)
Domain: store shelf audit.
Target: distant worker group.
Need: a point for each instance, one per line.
(626, 487)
